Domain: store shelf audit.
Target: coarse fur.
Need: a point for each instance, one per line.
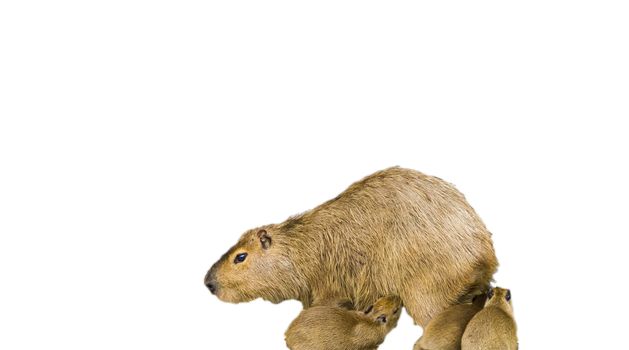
(492, 328)
(336, 328)
(445, 330)
(395, 232)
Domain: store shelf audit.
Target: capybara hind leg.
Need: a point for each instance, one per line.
(422, 306)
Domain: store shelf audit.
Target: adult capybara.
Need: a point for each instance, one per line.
(444, 331)
(395, 232)
(336, 328)
(492, 328)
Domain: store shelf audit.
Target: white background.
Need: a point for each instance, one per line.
(139, 139)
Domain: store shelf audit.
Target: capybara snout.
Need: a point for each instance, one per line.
(255, 266)
(210, 280)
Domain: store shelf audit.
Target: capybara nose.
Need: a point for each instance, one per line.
(211, 286)
(210, 281)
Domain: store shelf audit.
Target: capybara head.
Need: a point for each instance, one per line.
(257, 266)
(385, 311)
(499, 297)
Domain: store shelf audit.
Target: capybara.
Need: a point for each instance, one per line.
(395, 232)
(445, 330)
(493, 327)
(336, 328)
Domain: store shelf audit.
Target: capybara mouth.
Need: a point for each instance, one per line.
(228, 296)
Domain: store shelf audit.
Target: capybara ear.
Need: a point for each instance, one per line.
(346, 304)
(382, 319)
(490, 293)
(508, 295)
(265, 239)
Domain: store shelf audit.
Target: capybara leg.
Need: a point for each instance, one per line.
(422, 306)
(326, 298)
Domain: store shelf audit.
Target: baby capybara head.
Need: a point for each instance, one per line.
(385, 311)
(257, 266)
(499, 297)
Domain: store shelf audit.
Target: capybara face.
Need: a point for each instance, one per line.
(386, 311)
(498, 295)
(254, 267)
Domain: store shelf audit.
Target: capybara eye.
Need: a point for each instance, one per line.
(369, 309)
(490, 293)
(240, 258)
(508, 295)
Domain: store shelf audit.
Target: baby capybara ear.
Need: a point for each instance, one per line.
(265, 239)
(490, 293)
(508, 295)
(346, 304)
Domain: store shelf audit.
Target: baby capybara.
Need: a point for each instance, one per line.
(336, 328)
(445, 330)
(493, 327)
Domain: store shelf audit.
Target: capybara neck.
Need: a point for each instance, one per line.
(317, 242)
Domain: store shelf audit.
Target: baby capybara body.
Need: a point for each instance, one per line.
(336, 328)
(493, 327)
(395, 232)
(444, 331)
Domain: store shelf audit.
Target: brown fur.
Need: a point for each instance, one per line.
(335, 328)
(493, 328)
(445, 330)
(395, 232)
